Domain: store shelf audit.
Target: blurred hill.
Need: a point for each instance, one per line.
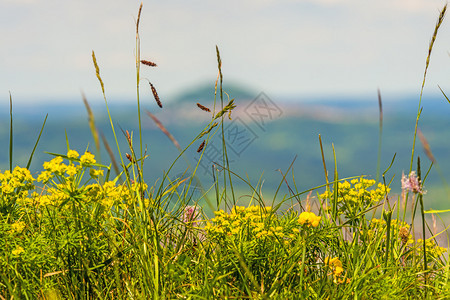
(263, 138)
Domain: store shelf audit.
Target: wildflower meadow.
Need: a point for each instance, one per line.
(91, 228)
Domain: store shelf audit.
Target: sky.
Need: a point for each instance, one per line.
(285, 48)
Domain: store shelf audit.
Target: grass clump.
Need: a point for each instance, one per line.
(76, 231)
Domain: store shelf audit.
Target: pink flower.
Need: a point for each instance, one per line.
(412, 183)
(190, 214)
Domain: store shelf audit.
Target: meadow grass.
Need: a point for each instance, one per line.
(81, 229)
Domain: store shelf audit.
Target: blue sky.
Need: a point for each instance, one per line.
(282, 47)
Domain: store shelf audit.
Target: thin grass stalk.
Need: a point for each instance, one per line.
(448, 100)
(159, 192)
(420, 197)
(419, 109)
(37, 142)
(336, 186)
(10, 133)
(93, 128)
(380, 107)
(283, 179)
(156, 277)
(138, 67)
(291, 192)
(302, 268)
(407, 193)
(111, 155)
(430, 48)
(161, 127)
(225, 160)
(429, 153)
(387, 217)
(246, 268)
(323, 160)
(97, 71)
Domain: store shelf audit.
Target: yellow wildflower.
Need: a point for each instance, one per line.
(17, 251)
(95, 173)
(336, 266)
(72, 154)
(309, 219)
(71, 170)
(45, 176)
(87, 158)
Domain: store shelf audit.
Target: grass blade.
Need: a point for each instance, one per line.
(164, 130)
(111, 155)
(444, 94)
(10, 133)
(430, 48)
(37, 141)
(323, 160)
(380, 107)
(91, 120)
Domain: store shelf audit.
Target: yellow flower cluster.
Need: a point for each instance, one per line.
(72, 154)
(53, 196)
(258, 223)
(17, 227)
(400, 228)
(87, 159)
(55, 193)
(110, 194)
(56, 167)
(357, 194)
(309, 218)
(336, 267)
(402, 231)
(19, 178)
(19, 250)
(243, 220)
(431, 247)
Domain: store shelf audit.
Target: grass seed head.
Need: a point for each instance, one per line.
(129, 157)
(202, 145)
(155, 95)
(148, 63)
(203, 107)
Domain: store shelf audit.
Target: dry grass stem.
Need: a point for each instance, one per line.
(97, 72)
(91, 121)
(433, 39)
(209, 129)
(426, 146)
(380, 107)
(164, 130)
(138, 18)
(228, 108)
(111, 154)
(128, 138)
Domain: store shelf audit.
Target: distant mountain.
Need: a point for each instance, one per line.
(204, 93)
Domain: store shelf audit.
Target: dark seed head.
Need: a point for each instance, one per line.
(155, 95)
(202, 145)
(148, 63)
(203, 107)
(129, 157)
